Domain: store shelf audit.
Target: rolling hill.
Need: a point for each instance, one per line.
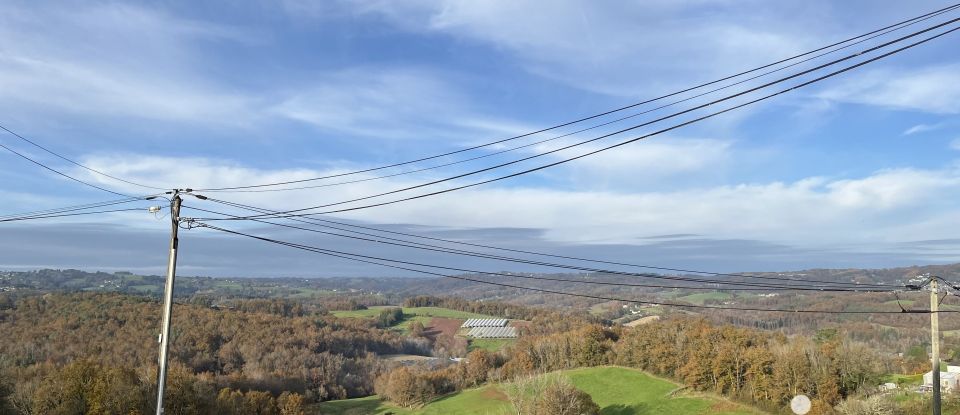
(618, 391)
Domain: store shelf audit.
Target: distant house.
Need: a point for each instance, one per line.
(949, 380)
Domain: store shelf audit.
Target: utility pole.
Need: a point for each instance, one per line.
(935, 342)
(168, 299)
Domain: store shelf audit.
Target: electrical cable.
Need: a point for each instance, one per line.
(905, 22)
(541, 290)
(599, 271)
(316, 220)
(436, 248)
(70, 214)
(70, 208)
(90, 169)
(241, 189)
(61, 173)
(818, 79)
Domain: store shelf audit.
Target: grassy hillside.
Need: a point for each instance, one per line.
(413, 311)
(699, 298)
(489, 344)
(411, 314)
(618, 391)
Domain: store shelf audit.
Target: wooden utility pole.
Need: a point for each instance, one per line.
(168, 299)
(935, 343)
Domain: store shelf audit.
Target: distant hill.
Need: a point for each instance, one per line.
(617, 390)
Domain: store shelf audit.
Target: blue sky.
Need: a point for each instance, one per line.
(859, 171)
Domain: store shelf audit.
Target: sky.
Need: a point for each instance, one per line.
(861, 170)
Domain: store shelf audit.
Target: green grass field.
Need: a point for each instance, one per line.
(410, 315)
(905, 380)
(413, 311)
(699, 298)
(623, 391)
(489, 344)
(146, 288)
(618, 391)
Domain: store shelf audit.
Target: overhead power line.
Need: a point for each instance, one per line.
(25, 157)
(259, 189)
(90, 169)
(71, 208)
(292, 212)
(48, 216)
(357, 258)
(763, 286)
(868, 35)
(808, 284)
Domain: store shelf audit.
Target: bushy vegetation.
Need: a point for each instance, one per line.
(269, 355)
(264, 348)
(748, 365)
(549, 395)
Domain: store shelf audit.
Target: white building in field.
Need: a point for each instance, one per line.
(484, 322)
(949, 380)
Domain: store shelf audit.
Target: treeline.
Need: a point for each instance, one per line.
(87, 387)
(317, 356)
(759, 368)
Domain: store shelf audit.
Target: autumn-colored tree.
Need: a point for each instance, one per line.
(591, 346)
(449, 345)
(187, 394)
(230, 402)
(403, 387)
(290, 404)
(85, 387)
(520, 364)
(551, 394)
(416, 329)
(260, 403)
(6, 389)
(479, 363)
(562, 398)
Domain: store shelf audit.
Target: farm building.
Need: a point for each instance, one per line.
(484, 322)
(949, 380)
(493, 332)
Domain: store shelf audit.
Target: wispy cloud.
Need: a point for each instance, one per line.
(955, 144)
(398, 103)
(639, 164)
(922, 128)
(934, 89)
(612, 50)
(113, 60)
(807, 211)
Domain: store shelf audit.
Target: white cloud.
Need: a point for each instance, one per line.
(386, 103)
(934, 89)
(955, 144)
(887, 206)
(922, 128)
(638, 164)
(113, 60)
(623, 49)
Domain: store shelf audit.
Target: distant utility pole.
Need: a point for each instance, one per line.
(935, 342)
(168, 299)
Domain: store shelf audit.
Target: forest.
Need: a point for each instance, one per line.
(95, 352)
